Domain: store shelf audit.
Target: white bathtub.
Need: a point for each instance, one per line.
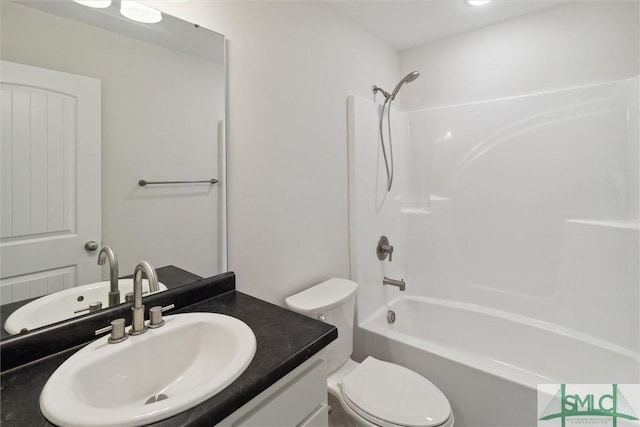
(488, 362)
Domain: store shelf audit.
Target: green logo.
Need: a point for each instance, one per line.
(581, 408)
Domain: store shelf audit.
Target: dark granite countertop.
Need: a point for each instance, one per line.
(170, 275)
(284, 341)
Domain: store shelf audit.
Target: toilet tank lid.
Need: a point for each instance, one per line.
(321, 297)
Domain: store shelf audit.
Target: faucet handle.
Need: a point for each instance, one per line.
(384, 248)
(388, 249)
(155, 315)
(118, 334)
(93, 307)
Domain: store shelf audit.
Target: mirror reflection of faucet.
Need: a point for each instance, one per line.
(107, 253)
(93, 307)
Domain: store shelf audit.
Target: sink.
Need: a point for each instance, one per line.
(149, 377)
(61, 305)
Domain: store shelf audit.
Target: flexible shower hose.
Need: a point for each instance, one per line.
(384, 151)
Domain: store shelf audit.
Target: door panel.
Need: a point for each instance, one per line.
(50, 191)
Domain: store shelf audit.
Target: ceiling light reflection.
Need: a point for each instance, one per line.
(98, 4)
(139, 12)
(476, 2)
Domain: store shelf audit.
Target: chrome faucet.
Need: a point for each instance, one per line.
(137, 311)
(392, 282)
(114, 293)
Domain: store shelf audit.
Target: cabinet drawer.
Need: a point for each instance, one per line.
(320, 418)
(295, 402)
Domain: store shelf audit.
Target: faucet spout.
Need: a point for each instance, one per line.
(137, 311)
(393, 282)
(107, 253)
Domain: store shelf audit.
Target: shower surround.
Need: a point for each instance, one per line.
(514, 222)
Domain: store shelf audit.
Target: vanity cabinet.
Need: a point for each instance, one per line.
(284, 385)
(297, 399)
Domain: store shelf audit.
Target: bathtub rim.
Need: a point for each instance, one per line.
(501, 369)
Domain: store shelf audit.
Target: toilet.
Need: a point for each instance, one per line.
(374, 392)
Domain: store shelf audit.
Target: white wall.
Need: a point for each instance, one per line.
(374, 211)
(150, 130)
(522, 183)
(533, 207)
(524, 138)
(573, 45)
(291, 66)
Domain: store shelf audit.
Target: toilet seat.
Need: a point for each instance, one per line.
(390, 395)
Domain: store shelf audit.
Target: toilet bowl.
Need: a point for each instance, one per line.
(378, 393)
(374, 392)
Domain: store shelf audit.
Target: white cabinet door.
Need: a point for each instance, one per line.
(50, 189)
(299, 399)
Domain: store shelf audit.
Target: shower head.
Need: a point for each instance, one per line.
(407, 79)
(388, 97)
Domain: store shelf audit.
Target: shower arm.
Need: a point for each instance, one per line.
(377, 89)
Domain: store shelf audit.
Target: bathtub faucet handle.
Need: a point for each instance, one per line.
(384, 248)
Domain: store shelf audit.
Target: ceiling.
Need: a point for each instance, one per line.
(404, 24)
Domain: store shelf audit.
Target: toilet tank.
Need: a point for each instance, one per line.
(333, 302)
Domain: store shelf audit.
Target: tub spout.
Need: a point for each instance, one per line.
(392, 282)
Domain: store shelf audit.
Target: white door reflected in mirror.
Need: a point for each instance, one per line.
(50, 195)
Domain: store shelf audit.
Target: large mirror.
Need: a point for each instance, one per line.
(93, 102)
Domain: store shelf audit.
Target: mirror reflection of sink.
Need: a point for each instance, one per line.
(149, 377)
(63, 305)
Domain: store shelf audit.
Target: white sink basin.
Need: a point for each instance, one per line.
(61, 305)
(189, 359)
